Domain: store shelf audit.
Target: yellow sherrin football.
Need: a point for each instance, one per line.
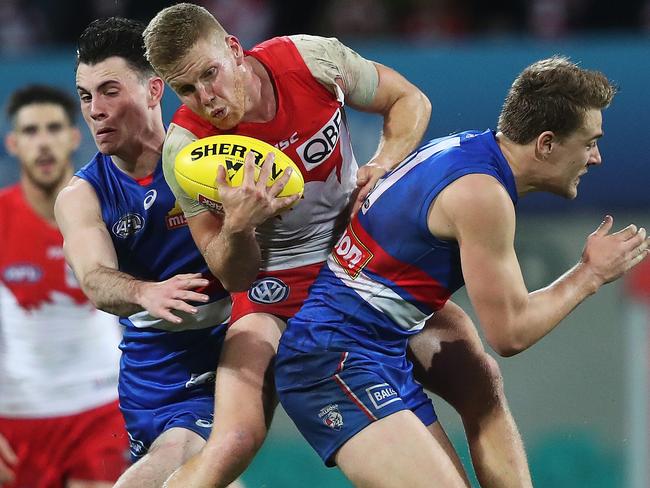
(196, 166)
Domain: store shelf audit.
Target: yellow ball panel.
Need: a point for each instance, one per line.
(196, 165)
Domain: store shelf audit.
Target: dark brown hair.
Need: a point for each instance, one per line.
(552, 94)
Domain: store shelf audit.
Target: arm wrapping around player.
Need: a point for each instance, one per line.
(375, 88)
(477, 212)
(406, 112)
(90, 252)
(370, 87)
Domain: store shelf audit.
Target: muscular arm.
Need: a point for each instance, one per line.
(477, 212)
(370, 87)
(406, 112)
(232, 253)
(90, 252)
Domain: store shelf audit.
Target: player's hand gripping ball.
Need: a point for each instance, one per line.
(196, 166)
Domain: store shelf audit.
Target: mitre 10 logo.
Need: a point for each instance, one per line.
(351, 254)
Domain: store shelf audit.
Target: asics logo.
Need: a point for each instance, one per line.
(149, 198)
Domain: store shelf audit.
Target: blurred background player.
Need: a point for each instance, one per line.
(131, 249)
(289, 92)
(60, 425)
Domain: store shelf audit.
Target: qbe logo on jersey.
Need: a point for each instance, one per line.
(321, 145)
(351, 254)
(268, 290)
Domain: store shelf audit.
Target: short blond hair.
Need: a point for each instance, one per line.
(173, 32)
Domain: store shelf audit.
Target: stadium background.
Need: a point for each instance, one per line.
(581, 395)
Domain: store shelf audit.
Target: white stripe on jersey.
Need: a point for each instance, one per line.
(208, 315)
(407, 165)
(404, 314)
(58, 359)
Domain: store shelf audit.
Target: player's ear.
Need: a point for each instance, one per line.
(235, 47)
(544, 144)
(156, 88)
(11, 143)
(75, 135)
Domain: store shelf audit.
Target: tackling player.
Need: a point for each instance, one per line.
(129, 244)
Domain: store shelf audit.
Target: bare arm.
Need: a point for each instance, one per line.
(406, 112)
(90, 252)
(478, 213)
(370, 87)
(227, 241)
(233, 255)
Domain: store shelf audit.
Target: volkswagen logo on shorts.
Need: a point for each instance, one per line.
(268, 290)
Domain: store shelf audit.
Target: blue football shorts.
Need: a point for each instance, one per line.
(333, 395)
(145, 426)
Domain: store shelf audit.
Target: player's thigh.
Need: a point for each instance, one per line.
(169, 451)
(244, 382)
(397, 451)
(450, 325)
(448, 353)
(443, 441)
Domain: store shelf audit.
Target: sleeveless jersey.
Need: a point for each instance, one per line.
(152, 242)
(58, 354)
(309, 126)
(388, 274)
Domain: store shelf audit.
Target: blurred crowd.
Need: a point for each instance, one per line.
(33, 24)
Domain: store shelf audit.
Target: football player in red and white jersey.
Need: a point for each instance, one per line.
(60, 425)
(289, 92)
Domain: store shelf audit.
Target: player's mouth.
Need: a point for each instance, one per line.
(103, 133)
(45, 162)
(218, 113)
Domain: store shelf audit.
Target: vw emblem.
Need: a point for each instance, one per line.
(268, 290)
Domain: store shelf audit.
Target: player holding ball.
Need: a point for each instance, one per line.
(289, 92)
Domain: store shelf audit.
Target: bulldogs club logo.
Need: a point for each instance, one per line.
(331, 416)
